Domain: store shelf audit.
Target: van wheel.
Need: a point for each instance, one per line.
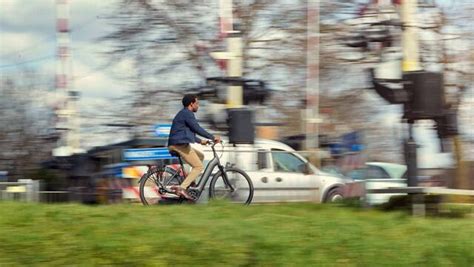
(334, 196)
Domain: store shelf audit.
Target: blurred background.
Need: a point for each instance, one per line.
(345, 83)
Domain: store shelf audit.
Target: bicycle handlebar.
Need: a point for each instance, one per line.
(212, 143)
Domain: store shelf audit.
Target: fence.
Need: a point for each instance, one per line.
(29, 191)
(23, 190)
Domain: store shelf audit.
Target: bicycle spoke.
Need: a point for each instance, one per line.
(152, 186)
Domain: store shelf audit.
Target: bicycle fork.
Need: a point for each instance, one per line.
(226, 179)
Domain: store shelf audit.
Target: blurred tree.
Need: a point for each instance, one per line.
(458, 64)
(25, 139)
(169, 42)
(168, 37)
(445, 46)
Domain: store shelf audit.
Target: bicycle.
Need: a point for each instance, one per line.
(229, 182)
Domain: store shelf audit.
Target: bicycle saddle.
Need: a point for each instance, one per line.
(174, 153)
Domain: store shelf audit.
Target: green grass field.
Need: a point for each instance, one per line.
(221, 234)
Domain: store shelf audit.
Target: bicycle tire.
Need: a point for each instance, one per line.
(155, 192)
(243, 185)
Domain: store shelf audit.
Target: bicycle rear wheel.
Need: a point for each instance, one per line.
(152, 185)
(237, 189)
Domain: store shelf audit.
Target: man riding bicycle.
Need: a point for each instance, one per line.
(183, 133)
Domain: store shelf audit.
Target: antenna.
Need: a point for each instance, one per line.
(66, 105)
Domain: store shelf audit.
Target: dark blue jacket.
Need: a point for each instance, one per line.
(184, 129)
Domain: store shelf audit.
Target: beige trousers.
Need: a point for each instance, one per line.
(191, 156)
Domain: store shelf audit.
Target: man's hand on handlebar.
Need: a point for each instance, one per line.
(216, 140)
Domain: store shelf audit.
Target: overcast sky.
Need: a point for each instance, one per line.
(28, 40)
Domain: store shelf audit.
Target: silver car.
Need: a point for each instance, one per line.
(380, 175)
(281, 174)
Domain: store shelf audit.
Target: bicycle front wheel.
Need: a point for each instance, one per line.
(235, 186)
(152, 184)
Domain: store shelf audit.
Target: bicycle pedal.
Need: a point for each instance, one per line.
(194, 194)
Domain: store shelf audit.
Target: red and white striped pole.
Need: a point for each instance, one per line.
(225, 18)
(234, 54)
(66, 121)
(312, 76)
(62, 31)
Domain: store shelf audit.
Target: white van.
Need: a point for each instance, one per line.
(279, 173)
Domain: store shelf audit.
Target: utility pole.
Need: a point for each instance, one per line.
(410, 63)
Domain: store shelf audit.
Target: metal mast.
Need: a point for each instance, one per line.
(66, 108)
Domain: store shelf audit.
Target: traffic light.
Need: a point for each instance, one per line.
(423, 98)
(355, 40)
(206, 92)
(241, 126)
(426, 95)
(447, 124)
(391, 95)
(254, 91)
(377, 32)
(422, 94)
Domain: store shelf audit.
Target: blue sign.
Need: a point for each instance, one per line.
(336, 149)
(146, 154)
(352, 142)
(3, 176)
(162, 130)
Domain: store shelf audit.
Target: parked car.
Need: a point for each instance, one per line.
(379, 170)
(380, 175)
(280, 174)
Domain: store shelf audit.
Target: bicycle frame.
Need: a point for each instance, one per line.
(205, 176)
(208, 171)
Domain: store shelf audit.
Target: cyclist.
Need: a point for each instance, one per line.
(182, 134)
